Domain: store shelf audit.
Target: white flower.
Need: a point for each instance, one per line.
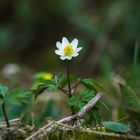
(67, 50)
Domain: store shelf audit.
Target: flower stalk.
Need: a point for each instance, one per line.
(69, 85)
(5, 115)
(67, 50)
(68, 76)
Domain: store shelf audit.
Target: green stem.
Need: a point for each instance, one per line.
(68, 75)
(5, 115)
(69, 85)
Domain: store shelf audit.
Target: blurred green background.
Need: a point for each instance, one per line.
(108, 31)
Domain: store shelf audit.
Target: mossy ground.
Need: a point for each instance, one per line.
(67, 134)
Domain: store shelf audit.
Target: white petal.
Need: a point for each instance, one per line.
(62, 57)
(78, 49)
(58, 45)
(69, 58)
(58, 52)
(75, 54)
(74, 43)
(65, 41)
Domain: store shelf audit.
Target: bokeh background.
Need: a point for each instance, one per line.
(108, 31)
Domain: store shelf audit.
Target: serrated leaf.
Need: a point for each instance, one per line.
(12, 100)
(116, 126)
(92, 84)
(39, 90)
(87, 95)
(88, 83)
(18, 96)
(63, 79)
(95, 114)
(52, 87)
(3, 90)
(80, 105)
(73, 101)
(40, 81)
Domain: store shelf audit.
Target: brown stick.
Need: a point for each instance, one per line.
(40, 130)
(79, 114)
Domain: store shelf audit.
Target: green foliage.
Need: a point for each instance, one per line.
(132, 107)
(129, 98)
(87, 95)
(76, 100)
(92, 84)
(16, 96)
(76, 103)
(116, 126)
(133, 77)
(3, 91)
(42, 85)
(49, 110)
(56, 83)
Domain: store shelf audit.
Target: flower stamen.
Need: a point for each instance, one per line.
(68, 50)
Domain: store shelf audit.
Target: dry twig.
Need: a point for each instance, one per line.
(80, 114)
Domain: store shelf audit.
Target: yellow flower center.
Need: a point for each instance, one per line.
(47, 76)
(68, 50)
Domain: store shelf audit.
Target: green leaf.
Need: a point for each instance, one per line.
(73, 101)
(76, 103)
(88, 83)
(63, 79)
(52, 87)
(132, 106)
(80, 105)
(95, 114)
(39, 90)
(39, 80)
(1, 101)
(116, 126)
(92, 84)
(12, 100)
(18, 96)
(87, 95)
(129, 98)
(50, 110)
(3, 90)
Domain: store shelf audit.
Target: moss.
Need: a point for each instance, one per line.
(68, 134)
(82, 135)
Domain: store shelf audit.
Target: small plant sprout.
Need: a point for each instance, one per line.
(14, 97)
(77, 99)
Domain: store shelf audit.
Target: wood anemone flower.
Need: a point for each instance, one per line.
(67, 50)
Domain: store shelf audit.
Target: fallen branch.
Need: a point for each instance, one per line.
(78, 115)
(13, 122)
(39, 131)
